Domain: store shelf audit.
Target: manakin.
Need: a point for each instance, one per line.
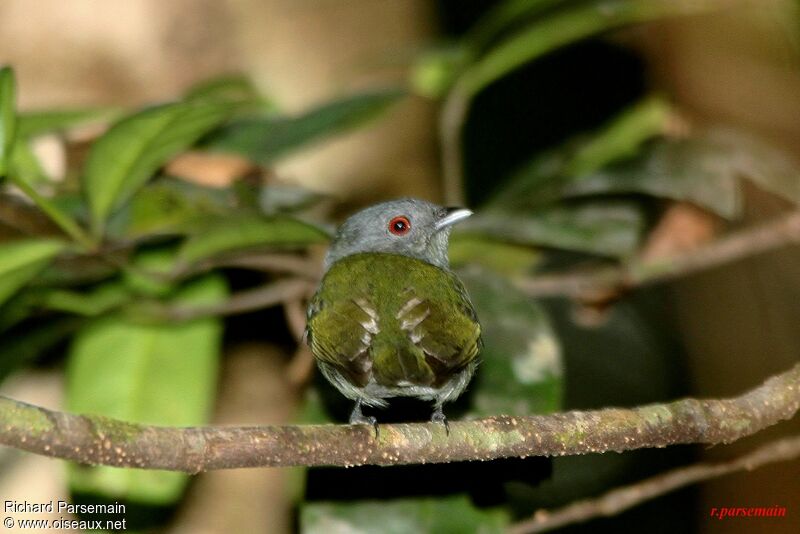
(390, 319)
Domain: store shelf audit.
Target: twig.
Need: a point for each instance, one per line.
(623, 498)
(283, 290)
(100, 440)
(743, 243)
(295, 314)
(273, 262)
(451, 128)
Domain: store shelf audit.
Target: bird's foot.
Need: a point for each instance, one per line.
(439, 417)
(358, 418)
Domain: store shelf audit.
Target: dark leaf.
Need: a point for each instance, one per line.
(610, 228)
(450, 515)
(521, 366)
(169, 207)
(222, 235)
(268, 138)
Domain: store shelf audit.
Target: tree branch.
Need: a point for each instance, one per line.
(274, 262)
(741, 244)
(279, 291)
(100, 440)
(620, 499)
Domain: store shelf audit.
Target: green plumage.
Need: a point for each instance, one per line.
(384, 325)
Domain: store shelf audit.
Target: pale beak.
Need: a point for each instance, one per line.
(452, 216)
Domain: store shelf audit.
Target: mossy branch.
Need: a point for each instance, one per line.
(100, 440)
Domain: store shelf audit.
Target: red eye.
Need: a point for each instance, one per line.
(399, 225)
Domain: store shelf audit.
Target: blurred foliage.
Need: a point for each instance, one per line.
(95, 258)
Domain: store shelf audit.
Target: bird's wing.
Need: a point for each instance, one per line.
(340, 334)
(445, 329)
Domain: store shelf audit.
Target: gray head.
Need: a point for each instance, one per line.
(407, 226)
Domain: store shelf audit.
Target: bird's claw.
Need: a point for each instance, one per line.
(358, 418)
(366, 420)
(439, 417)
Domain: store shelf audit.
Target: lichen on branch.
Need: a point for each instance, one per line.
(92, 439)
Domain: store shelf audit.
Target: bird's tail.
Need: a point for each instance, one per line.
(398, 367)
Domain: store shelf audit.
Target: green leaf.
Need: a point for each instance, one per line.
(149, 274)
(24, 165)
(446, 515)
(169, 207)
(8, 118)
(521, 370)
(704, 169)
(606, 228)
(218, 236)
(21, 261)
(266, 139)
(692, 170)
(234, 88)
(33, 123)
(123, 159)
(564, 26)
(90, 303)
(161, 374)
(622, 137)
(502, 17)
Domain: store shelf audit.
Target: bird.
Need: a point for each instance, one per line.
(390, 318)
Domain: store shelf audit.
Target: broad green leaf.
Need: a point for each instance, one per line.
(266, 139)
(692, 170)
(126, 156)
(21, 261)
(607, 228)
(218, 236)
(233, 88)
(521, 363)
(33, 123)
(169, 207)
(161, 374)
(446, 515)
(8, 118)
(704, 169)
